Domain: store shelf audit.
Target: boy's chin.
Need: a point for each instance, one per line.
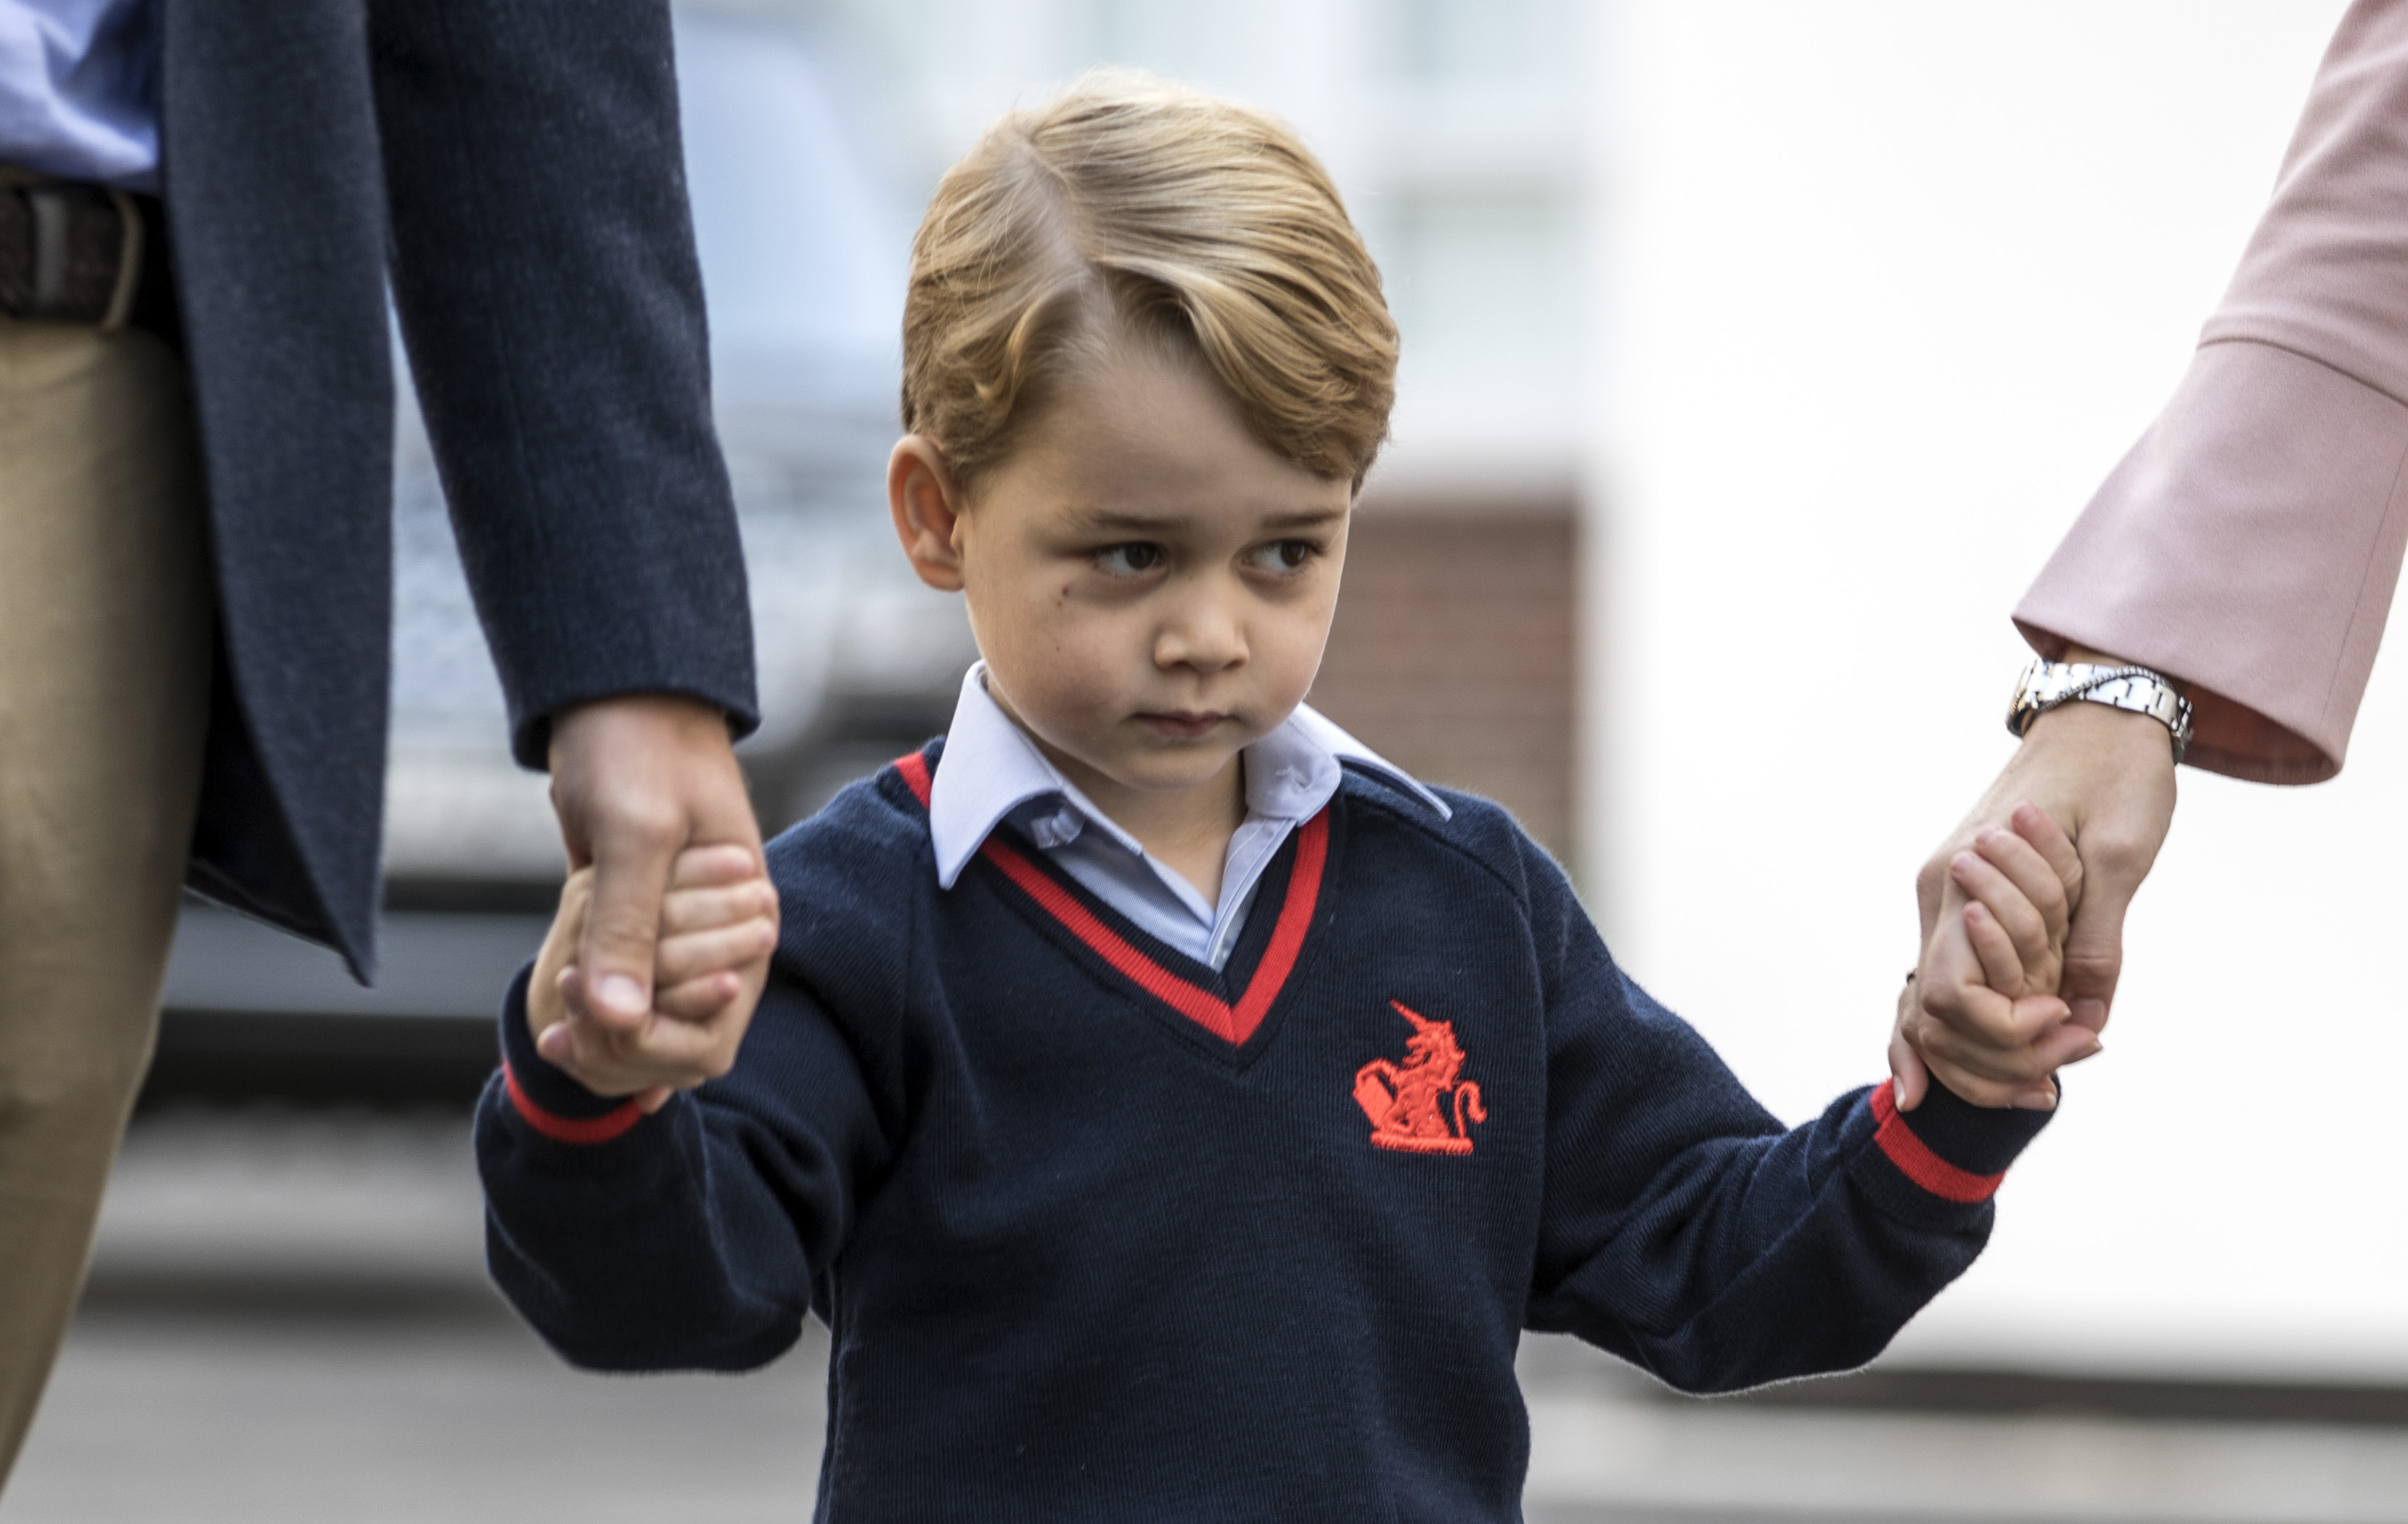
(1171, 766)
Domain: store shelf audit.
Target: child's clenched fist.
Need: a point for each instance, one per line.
(719, 915)
(2020, 887)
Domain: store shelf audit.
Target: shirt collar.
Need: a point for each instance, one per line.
(991, 768)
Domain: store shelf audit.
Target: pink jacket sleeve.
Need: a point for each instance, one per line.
(2250, 542)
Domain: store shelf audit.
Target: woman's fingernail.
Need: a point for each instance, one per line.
(2037, 1100)
(1897, 1092)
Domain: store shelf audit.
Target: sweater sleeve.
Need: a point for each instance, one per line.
(694, 1238)
(2251, 540)
(1687, 1231)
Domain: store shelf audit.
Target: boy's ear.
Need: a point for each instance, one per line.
(927, 505)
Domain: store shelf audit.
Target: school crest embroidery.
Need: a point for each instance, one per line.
(1408, 1102)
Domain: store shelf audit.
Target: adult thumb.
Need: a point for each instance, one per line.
(631, 873)
(2094, 950)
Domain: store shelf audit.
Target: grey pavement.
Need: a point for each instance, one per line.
(288, 1320)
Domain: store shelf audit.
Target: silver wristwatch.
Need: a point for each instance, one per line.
(2046, 684)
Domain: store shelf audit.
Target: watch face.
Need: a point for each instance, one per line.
(2025, 704)
(2031, 687)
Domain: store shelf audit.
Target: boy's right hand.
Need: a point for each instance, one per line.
(718, 920)
(2010, 1033)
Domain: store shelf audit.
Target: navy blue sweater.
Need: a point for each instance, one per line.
(1102, 1234)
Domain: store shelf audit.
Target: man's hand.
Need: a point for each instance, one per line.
(2106, 777)
(635, 781)
(719, 920)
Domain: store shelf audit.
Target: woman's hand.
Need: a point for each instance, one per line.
(2105, 776)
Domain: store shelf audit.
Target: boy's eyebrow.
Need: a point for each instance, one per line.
(1112, 518)
(1123, 521)
(1309, 518)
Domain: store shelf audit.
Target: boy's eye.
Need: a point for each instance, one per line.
(1283, 554)
(1128, 560)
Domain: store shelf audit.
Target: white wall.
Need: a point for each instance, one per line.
(1892, 284)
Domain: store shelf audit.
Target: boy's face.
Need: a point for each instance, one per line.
(1150, 586)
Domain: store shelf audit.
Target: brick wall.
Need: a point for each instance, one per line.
(1451, 653)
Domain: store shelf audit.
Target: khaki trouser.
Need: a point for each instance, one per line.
(105, 643)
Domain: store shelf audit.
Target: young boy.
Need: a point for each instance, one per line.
(1174, 1109)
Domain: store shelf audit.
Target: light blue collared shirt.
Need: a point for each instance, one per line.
(993, 774)
(80, 89)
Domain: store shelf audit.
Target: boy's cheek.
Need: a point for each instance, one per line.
(1067, 679)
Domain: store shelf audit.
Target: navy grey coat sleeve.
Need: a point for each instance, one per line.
(543, 264)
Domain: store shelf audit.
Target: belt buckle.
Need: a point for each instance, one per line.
(50, 206)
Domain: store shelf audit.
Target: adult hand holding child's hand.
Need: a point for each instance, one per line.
(718, 923)
(2106, 777)
(638, 780)
(1982, 1012)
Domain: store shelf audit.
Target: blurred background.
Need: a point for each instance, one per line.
(1755, 355)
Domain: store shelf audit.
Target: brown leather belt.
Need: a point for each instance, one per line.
(70, 253)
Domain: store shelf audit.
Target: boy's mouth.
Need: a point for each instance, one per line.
(1183, 725)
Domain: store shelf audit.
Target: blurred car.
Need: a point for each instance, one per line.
(803, 247)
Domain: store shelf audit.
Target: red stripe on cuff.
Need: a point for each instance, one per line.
(1916, 1160)
(570, 1129)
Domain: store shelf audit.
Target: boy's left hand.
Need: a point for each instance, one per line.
(2013, 1032)
(718, 919)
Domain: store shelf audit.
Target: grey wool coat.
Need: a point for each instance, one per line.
(512, 168)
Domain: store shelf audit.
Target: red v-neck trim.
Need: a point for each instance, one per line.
(1232, 1023)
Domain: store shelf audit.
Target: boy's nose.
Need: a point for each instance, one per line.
(1204, 635)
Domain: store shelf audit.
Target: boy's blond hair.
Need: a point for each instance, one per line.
(1132, 205)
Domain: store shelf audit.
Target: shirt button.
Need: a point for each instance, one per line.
(1058, 829)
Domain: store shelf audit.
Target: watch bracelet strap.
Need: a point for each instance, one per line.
(2115, 687)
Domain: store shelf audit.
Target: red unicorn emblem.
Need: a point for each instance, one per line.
(1406, 1102)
